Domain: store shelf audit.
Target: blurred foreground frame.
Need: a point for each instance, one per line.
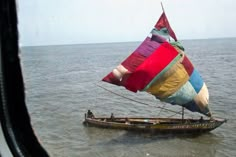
(14, 118)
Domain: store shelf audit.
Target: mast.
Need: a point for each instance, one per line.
(162, 7)
(165, 15)
(182, 113)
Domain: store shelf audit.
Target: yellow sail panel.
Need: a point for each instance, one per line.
(170, 82)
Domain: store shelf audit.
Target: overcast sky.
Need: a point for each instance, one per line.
(55, 22)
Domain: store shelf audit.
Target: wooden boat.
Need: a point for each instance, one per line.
(154, 125)
(161, 68)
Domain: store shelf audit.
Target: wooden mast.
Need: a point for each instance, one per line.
(162, 8)
(165, 15)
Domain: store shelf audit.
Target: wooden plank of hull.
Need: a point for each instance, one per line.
(156, 125)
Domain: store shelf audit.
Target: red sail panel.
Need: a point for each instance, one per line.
(151, 67)
(164, 23)
(146, 48)
(140, 54)
(110, 78)
(133, 61)
(188, 65)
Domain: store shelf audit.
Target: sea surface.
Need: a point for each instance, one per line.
(61, 85)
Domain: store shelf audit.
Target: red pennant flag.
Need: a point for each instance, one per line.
(163, 23)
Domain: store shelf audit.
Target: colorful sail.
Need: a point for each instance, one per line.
(162, 69)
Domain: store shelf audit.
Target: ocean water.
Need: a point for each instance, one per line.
(61, 85)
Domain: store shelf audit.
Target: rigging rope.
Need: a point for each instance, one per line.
(161, 109)
(136, 100)
(174, 114)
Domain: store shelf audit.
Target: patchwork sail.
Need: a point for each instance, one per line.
(161, 68)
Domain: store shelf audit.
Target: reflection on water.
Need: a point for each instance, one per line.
(124, 143)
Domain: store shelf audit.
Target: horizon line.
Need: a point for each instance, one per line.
(116, 42)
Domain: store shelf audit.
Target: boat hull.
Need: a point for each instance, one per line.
(155, 125)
